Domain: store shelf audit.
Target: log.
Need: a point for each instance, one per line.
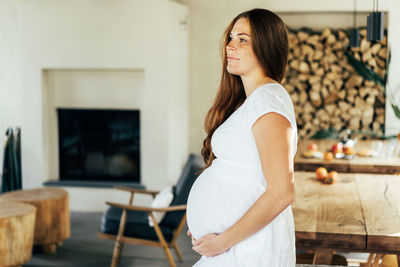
(320, 75)
(302, 36)
(307, 50)
(333, 76)
(326, 32)
(354, 80)
(295, 98)
(376, 48)
(331, 39)
(314, 66)
(308, 108)
(53, 218)
(340, 54)
(303, 77)
(376, 126)
(357, 56)
(363, 33)
(380, 62)
(307, 118)
(293, 41)
(338, 84)
(364, 45)
(304, 68)
(336, 69)
(370, 101)
(17, 222)
(341, 94)
(329, 109)
(324, 93)
(313, 40)
(315, 98)
(318, 55)
(289, 88)
(367, 56)
(319, 72)
(296, 52)
(315, 80)
(342, 35)
(383, 53)
(354, 124)
(303, 97)
(294, 64)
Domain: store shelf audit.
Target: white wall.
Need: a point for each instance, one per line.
(146, 35)
(209, 18)
(392, 123)
(10, 96)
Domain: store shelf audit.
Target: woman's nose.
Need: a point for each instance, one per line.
(231, 46)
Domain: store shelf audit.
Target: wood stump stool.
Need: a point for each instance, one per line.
(17, 224)
(52, 215)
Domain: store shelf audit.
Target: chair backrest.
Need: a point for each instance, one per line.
(182, 189)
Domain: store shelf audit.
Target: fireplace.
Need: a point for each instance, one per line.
(99, 145)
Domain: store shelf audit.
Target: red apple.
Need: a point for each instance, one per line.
(337, 148)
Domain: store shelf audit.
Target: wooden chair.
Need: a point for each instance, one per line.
(381, 260)
(132, 225)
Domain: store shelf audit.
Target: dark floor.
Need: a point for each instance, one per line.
(83, 249)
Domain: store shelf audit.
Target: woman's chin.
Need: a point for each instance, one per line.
(232, 71)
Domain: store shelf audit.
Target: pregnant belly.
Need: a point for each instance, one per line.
(218, 199)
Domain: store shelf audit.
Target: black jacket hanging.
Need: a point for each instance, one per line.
(11, 179)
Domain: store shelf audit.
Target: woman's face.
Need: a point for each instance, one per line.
(239, 51)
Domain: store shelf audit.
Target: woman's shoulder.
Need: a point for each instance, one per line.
(271, 92)
(271, 97)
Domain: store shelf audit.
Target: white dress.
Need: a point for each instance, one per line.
(226, 190)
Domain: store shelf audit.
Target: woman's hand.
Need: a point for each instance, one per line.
(209, 245)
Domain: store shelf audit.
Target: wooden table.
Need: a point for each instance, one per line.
(52, 215)
(17, 222)
(359, 213)
(378, 165)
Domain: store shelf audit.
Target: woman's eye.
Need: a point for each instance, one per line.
(242, 40)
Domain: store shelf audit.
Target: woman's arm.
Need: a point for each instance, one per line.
(273, 136)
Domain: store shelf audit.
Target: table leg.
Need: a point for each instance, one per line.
(323, 256)
(49, 248)
(398, 260)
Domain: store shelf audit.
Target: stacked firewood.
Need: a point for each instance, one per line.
(325, 89)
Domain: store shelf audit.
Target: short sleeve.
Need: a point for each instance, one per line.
(268, 99)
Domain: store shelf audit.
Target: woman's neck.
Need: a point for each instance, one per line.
(252, 82)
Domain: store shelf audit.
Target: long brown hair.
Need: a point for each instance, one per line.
(270, 46)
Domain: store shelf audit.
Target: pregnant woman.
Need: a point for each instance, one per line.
(238, 211)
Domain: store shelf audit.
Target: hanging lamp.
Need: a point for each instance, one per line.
(354, 32)
(375, 24)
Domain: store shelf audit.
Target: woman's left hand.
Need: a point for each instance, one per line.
(210, 245)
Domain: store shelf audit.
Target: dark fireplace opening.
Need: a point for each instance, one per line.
(99, 145)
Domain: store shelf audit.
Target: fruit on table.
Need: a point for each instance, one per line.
(308, 154)
(364, 153)
(328, 156)
(331, 178)
(337, 148)
(312, 147)
(321, 173)
(348, 150)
